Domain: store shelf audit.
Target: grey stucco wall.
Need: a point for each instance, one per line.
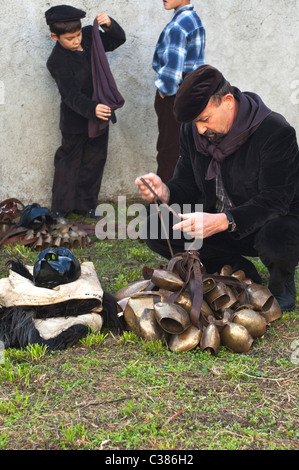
(254, 43)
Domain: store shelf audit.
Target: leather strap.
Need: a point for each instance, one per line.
(12, 234)
(188, 266)
(8, 209)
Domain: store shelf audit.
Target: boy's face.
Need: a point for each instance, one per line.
(70, 41)
(175, 4)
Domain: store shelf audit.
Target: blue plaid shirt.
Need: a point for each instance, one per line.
(180, 49)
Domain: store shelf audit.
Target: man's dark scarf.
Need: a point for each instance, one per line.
(104, 87)
(252, 112)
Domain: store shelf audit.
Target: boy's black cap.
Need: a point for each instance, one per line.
(63, 13)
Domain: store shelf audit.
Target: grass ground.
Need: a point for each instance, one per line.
(117, 392)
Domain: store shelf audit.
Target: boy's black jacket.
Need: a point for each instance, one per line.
(72, 73)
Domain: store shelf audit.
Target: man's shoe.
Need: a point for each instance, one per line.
(287, 298)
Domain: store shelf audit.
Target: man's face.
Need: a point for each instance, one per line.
(70, 41)
(175, 4)
(216, 119)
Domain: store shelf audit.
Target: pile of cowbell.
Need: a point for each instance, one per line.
(36, 226)
(59, 233)
(233, 311)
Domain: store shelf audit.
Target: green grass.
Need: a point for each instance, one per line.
(115, 392)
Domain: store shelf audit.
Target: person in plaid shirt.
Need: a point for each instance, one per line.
(179, 50)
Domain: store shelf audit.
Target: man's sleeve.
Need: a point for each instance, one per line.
(278, 183)
(182, 186)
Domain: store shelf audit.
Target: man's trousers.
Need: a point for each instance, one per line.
(276, 244)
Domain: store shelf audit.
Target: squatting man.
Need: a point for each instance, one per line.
(240, 160)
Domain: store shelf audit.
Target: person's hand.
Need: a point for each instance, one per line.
(103, 20)
(156, 183)
(103, 112)
(202, 224)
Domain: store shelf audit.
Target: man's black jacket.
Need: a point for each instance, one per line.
(261, 178)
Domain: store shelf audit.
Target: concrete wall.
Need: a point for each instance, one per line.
(254, 43)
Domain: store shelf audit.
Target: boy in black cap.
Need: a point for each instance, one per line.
(80, 160)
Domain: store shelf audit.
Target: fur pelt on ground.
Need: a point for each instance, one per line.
(18, 323)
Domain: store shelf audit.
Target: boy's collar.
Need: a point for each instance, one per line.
(59, 46)
(186, 7)
(66, 51)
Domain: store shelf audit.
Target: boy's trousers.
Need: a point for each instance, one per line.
(168, 146)
(79, 165)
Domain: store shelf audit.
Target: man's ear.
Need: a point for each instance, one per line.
(54, 37)
(228, 100)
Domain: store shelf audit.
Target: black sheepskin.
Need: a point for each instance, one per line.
(18, 267)
(17, 328)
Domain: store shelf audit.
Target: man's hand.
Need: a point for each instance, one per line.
(103, 112)
(202, 224)
(103, 20)
(156, 183)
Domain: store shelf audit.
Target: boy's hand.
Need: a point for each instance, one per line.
(103, 112)
(103, 19)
